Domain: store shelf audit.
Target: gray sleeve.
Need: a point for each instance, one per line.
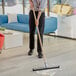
(43, 5)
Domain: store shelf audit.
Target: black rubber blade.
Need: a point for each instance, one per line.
(46, 68)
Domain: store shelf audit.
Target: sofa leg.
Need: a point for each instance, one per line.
(52, 34)
(0, 52)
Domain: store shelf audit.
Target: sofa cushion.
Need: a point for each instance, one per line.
(7, 25)
(17, 26)
(3, 19)
(22, 18)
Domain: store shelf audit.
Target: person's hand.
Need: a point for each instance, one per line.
(37, 22)
(38, 17)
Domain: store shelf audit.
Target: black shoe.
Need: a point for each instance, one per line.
(30, 52)
(40, 55)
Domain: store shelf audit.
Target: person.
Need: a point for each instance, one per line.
(39, 7)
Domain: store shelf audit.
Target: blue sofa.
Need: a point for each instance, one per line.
(23, 23)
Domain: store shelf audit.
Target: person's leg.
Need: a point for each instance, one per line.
(32, 32)
(41, 30)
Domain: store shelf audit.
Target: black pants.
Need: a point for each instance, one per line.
(32, 27)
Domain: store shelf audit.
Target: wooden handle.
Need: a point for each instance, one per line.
(45, 61)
